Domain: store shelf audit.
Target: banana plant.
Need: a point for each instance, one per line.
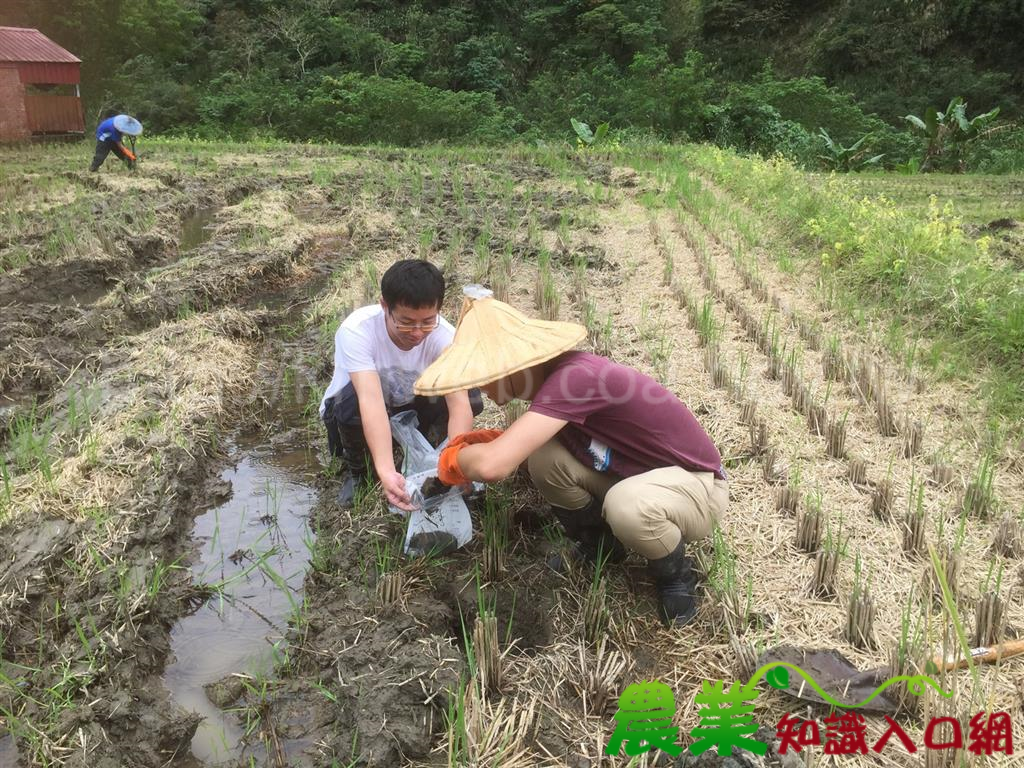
(586, 137)
(851, 158)
(951, 127)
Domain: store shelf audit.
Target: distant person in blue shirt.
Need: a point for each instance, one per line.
(110, 137)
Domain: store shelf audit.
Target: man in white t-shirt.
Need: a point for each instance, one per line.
(379, 351)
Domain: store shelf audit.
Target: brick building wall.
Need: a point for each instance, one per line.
(13, 120)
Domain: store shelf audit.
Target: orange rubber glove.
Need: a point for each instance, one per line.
(448, 470)
(128, 153)
(475, 437)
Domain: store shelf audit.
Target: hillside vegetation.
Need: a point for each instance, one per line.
(756, 76)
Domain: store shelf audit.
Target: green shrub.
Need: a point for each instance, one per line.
(355, 109)
(749, 125)
(1002, 151)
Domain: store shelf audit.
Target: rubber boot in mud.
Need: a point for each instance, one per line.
(590, 539)
(358, 466)
(676, 583)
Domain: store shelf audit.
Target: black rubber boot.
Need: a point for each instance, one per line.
(591, 537)
(359, 469)
(676, 583)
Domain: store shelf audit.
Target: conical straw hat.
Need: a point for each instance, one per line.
(128, 124)
(493, 340)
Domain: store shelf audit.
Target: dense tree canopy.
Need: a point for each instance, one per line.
(769, 72)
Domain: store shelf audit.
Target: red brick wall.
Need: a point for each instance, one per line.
(13, 121)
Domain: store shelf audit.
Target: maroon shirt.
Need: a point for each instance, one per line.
(620, 420)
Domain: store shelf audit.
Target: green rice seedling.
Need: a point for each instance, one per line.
(579, 279)
(484, 734)
(595, 612)
(832, 363)
(603, 345)
(486, 648)
(940, 562)
(791, 372)
(482, 257)
(709, 330)
(1008, 540)
(905, 657)
(775, 357)
(708, 276)
(826, 563)
(978, 496)
(941, 575)
(501, 273)
(744, 367)
(426, 243)
(30, 437)
(859, 630)
(546, 297)
(659, 350)
(734, 600)
(809, 524)
(914, 523)
(323, 551)
(390, 578)
(563, 231)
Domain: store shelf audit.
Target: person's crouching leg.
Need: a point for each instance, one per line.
(656, 514)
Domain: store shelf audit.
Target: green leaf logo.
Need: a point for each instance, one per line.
(778, 677)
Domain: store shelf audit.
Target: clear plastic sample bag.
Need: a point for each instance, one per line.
(443, 510)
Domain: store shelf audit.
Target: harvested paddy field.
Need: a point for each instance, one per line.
(178, 585)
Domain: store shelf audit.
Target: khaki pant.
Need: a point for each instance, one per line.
(648, 513)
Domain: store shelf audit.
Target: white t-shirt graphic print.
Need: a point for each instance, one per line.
(362, 344)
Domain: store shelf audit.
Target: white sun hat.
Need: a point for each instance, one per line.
(494, 340)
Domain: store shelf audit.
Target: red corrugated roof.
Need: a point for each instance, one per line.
(20, 44)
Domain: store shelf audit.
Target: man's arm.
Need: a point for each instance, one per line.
(496, 460)
(377, 431)
(460, 413)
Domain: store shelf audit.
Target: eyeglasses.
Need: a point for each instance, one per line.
(426, 326)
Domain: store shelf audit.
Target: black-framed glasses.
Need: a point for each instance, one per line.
(426, 326)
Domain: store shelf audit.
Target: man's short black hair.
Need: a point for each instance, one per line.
(414, 283)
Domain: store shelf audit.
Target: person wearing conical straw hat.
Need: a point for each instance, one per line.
(379, 350)
(622, 461)
(110, 138)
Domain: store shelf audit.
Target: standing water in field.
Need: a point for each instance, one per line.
(197, 228)
(254, 548)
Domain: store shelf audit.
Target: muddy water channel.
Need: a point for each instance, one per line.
(254, 549)
(197, 228)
